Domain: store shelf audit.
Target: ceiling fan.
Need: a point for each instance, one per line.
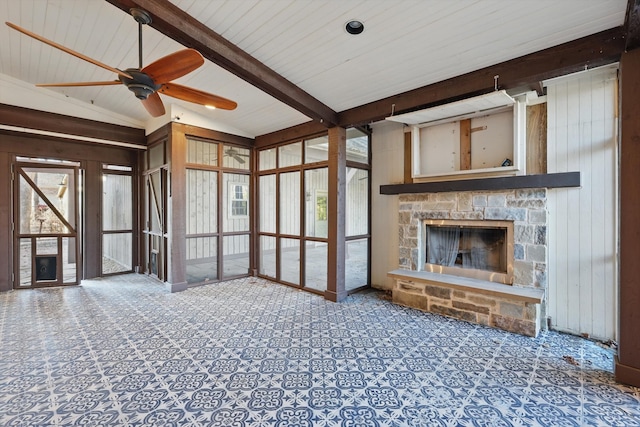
(147, 82)
(232, 152)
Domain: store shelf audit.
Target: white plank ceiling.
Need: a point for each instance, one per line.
(406, 44)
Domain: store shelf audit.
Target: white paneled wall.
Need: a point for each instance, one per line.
(582, 276)
(387, 168)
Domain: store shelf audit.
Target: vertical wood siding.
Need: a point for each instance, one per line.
(201, 213)
(582, 276)
(357, 202)
(233, 245)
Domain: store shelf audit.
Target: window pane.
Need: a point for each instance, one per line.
(316, 150)
(316, 202)
(316, 266)
(356, 262)
(235, 259)
(357, 146)
(155, 190)
(38, 216)
(25, 262)
(202, 202)
(235, 202)
(69, 266)
(357, 202)
(156, 155)
(290, 155)
(267, 204)
(290, 203)
(116, 253)
(117, 209)
(290, 261)
(117, 168)
(202, 152)
(268, 256)
(267, 159)
(236, 157)
(47, 246)
(202, 259)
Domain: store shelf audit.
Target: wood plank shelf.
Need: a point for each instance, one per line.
(549, 180)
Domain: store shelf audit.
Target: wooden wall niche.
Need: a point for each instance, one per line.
(456, 138)
(483, 136)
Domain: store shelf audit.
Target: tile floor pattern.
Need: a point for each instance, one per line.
(124, 352)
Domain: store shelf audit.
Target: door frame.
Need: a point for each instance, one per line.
(20, 170)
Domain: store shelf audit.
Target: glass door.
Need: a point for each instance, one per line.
(46, 234)
(155, 232)
(117, 219)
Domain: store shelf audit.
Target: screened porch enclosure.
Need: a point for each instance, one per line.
(294, 193)
(217, 211)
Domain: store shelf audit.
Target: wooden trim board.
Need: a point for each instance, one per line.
(551, 180)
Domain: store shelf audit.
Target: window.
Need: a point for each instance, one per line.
(239, 197)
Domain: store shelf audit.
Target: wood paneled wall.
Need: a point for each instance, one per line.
(583, 222)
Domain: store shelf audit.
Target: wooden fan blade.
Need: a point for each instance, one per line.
(174, 65)
(154, 105)
(73, 84)
(196, 96)
(67, 50)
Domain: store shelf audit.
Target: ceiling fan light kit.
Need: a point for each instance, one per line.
(147, 82)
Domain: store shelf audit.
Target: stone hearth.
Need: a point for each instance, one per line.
(527, 209)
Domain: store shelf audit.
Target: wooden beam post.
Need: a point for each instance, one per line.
(176, 217)
(465, 144)
(632, 25)
(6, 235)
(627, 368)
(537, 139)
(337, 205)
(92, 188)
(408, 157)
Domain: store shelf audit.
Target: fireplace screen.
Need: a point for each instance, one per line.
(469, 247)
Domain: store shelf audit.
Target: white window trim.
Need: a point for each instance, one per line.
(231, 198)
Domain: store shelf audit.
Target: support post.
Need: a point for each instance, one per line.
(176, 217)
(627, 367)
(337, 204)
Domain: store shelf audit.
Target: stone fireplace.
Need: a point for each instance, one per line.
(512, 299)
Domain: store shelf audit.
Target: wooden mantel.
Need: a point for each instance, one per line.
(549, 180)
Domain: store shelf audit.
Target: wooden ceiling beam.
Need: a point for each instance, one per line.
(632, 25)
(188, 31)
(577, 55)
(27, 118)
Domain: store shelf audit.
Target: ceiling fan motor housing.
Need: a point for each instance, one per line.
(141, 84)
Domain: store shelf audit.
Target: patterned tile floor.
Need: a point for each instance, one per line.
(123, 352)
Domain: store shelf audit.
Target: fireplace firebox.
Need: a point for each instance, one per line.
(469, 248)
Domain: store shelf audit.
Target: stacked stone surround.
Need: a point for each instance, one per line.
(526, 208)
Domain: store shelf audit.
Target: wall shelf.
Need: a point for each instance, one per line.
(550, 180)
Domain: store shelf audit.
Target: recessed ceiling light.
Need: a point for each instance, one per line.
(354, 27)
